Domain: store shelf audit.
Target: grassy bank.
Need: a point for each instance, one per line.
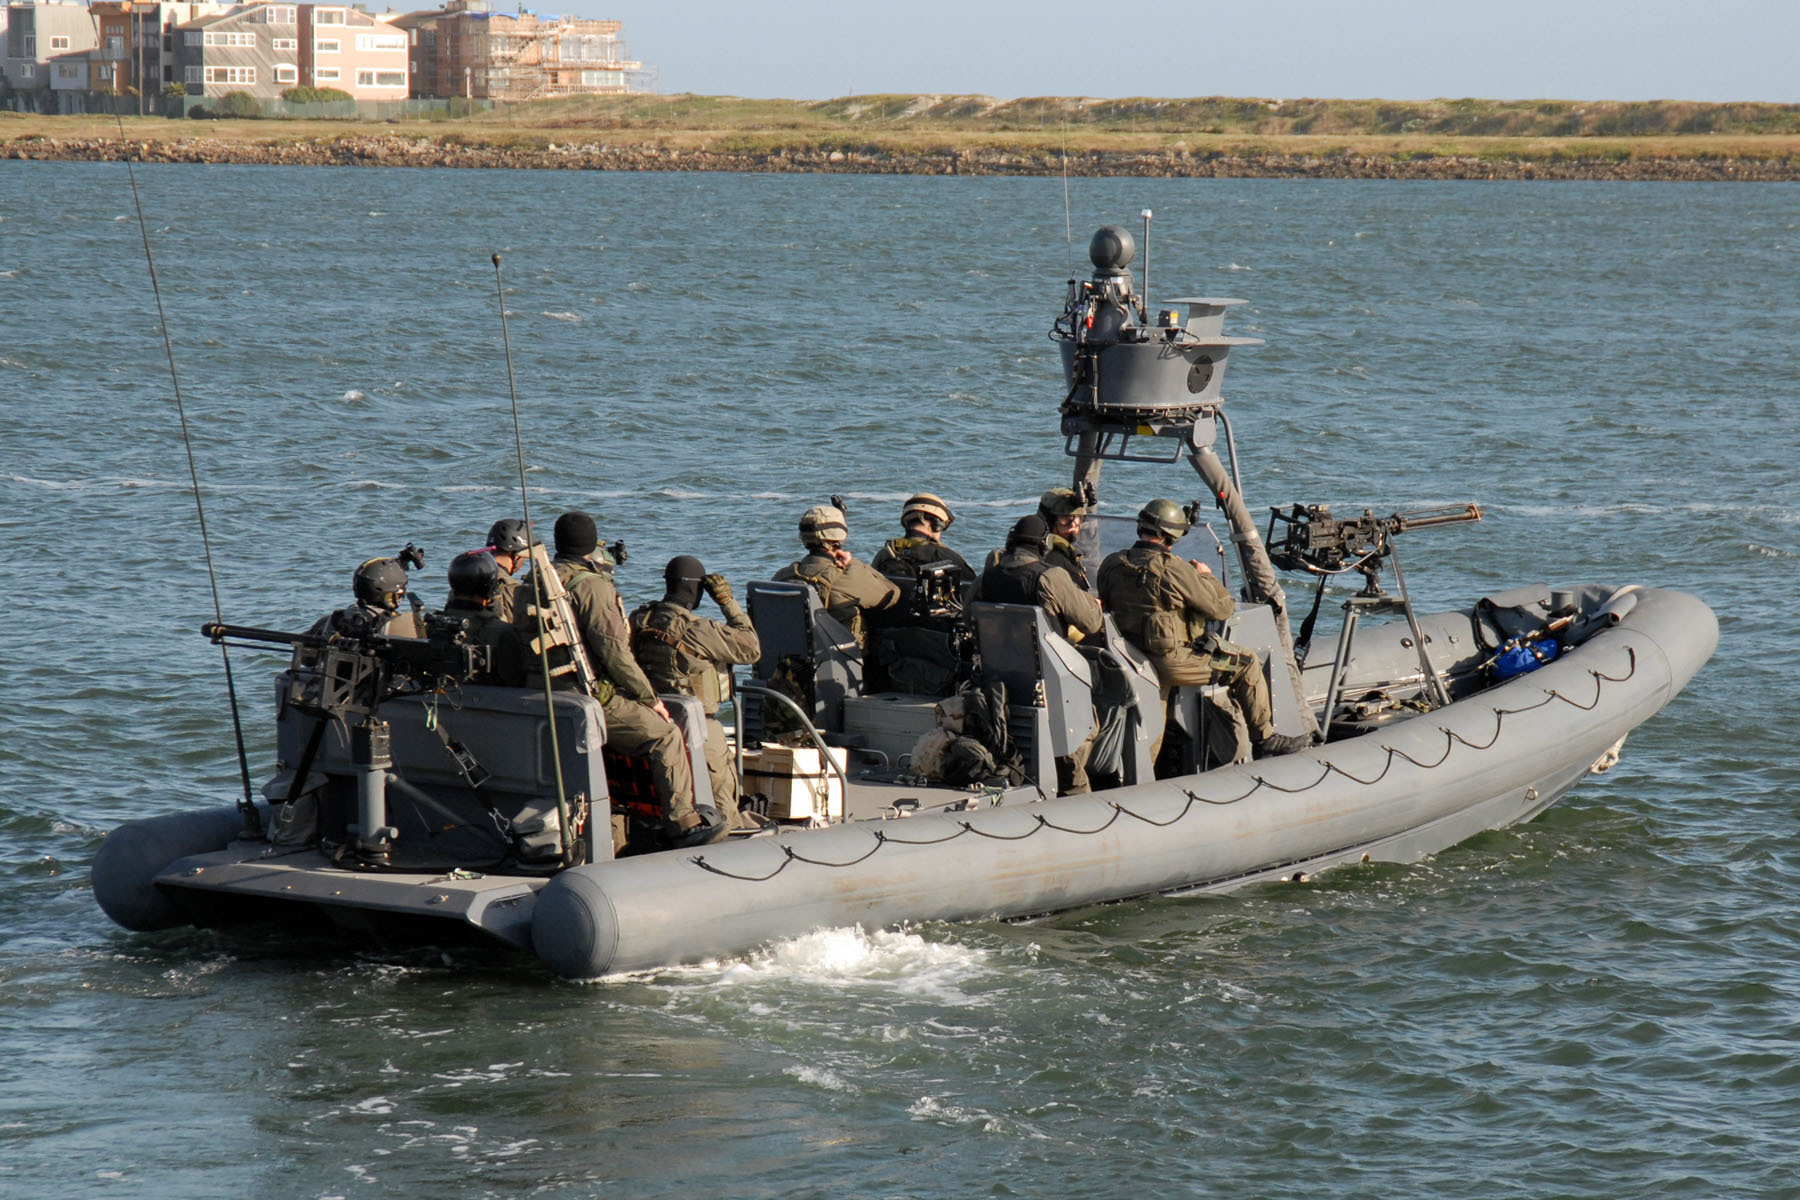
(972, 134)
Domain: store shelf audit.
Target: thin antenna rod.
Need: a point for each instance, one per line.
(1068, 225)
(247, 806)
(537, 585)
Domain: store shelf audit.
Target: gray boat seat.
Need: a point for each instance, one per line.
(1128, 704)
(795, 630)
(505, 737)
(1049, 685)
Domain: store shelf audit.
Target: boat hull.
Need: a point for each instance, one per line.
(1407, 790)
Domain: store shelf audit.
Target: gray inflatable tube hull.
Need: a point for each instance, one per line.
(1410, 790)
(134, 854)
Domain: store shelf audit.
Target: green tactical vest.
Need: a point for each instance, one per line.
(1147, 610)
(656, 634)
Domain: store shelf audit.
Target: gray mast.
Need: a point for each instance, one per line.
(1143, 391)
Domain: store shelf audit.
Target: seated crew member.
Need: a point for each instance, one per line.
(689, 655)
(637, 723)
(1021, 575)
(380, 586)
(1062, 511)
(925, 518)
(847, 588)
(1161, 603)
(475, 589)
(508, 544)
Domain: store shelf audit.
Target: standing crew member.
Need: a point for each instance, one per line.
(1161, 603)
(637, 723)
(511, 549)
(690, 655)
(925, 518)
(847, 587)
(1022, 576)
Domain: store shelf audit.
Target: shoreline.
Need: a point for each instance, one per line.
(459, 152)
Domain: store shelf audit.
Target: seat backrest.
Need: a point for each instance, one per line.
(792, 624)
(1044, 675)
(1124, 678)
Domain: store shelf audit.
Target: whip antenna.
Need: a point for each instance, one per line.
(247, 805)
(537, 585)
(1068, 227)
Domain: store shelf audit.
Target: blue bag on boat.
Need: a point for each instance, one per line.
(1522, 655)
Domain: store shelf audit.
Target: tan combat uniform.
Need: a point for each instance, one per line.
(504, 597)
(1161, 604)
(846, 592)
(686, 655)
(632, 726)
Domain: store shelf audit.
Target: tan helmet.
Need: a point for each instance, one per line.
(930, 505)
(823, 525)
(1061, 502)
(1164, 518)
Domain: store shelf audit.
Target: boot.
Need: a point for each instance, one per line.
(1277, 744)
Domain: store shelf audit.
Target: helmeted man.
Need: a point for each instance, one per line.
(1161, 604)
(380, 586)
(637, 723)
(847, 587)
(1022, 576)
(689, 655)
(1062, 510)
(475, 587)
(924, 518)
(508, 543)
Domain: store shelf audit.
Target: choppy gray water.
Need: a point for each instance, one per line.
(1605, 1002)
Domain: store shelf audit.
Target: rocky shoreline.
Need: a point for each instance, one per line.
(402, 151)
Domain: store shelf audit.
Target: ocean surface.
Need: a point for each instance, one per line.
(1604, 1002)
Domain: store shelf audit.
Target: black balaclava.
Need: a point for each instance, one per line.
(682, 578)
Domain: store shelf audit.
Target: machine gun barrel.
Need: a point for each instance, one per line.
(218, 632)
(1425, 518)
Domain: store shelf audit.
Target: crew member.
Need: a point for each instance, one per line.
(380, 586)
(847, 587)
(1062, 510)
(690, 655)
(475, 589)
(1022, 576)
(637, 723)
(925, 518)
(511, 549)
(1161, 604)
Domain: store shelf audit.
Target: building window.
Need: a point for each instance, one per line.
(380, 79)
(286, 73)
(328, 16)
(30, 47)
(285, 44)
(279, 14)
(195, 75)
(231, 39)
(104, 71)
(191, 37)
(380, 41)
(114, 44)
(325, 45)
(67, 71)
(56, 43)
(325, 74)
(231, 74)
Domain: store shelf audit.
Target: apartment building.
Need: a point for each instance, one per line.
(263, 49)
(464, 50)
(46, 45)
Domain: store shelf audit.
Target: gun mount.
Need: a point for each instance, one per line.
(1314, 541)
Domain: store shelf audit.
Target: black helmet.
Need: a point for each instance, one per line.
(1164, 518)
(474, 574)
(1031, 533)
(380, 583)
(508, 536)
